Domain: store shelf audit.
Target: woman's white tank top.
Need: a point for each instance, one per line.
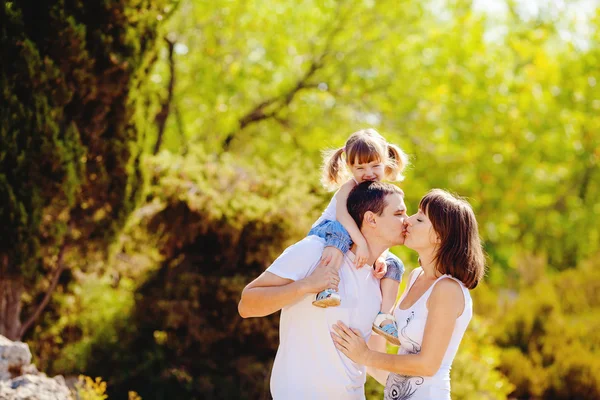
(411, 327)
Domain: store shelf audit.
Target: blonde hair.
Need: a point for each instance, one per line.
(363, 146)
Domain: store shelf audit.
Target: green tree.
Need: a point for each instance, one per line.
(72, 120)
(551, 331)
(170, 327)
(500, 107)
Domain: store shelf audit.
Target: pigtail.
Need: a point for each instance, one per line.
(397, 161)
(333, 168)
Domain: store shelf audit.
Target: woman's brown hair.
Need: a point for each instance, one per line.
(460, 252)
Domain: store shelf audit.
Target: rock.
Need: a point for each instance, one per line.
(13, 357)
(4, 374)
(30, 369)
(34, 387)
(20, 380)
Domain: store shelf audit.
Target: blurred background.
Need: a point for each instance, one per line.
(157, 155)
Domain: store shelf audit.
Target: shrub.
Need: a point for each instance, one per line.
(87, 388)
(208, 227)
(474, 373)
(574, 375)
(551, 339)
(527, 378)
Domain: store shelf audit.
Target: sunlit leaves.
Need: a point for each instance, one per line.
(499, 107)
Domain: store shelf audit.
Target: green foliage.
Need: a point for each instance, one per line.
(87, 388)
(373, 390)
(499, 107)
(551, 333)
(68, 138)
(474, 373)
(217, 224)
(93, 311)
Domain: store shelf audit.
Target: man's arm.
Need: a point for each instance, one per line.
(270, 293)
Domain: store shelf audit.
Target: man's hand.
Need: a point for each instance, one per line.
(323, 277)
(380, 267)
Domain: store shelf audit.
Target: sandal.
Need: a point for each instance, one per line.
(388, 331)
(327, 298)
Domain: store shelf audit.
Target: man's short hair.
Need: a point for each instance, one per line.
(369, 196)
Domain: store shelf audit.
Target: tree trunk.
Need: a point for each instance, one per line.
(11, 289)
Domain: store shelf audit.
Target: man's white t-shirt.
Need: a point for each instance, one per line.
(307, 364)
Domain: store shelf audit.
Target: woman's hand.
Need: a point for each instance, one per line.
(350, 342)
(380, 267)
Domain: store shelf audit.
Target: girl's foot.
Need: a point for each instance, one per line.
(327, 298)
(385, 325)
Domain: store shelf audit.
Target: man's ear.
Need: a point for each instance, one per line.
(369, 219)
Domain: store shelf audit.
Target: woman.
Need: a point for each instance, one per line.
(434, 310)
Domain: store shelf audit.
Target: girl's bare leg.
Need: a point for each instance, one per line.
(389, 293)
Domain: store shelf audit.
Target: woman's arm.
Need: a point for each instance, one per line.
(445, 304)
(378, 343)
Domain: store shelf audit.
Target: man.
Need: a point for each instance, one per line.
(307, 364)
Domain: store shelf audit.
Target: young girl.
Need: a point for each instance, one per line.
(366, 156)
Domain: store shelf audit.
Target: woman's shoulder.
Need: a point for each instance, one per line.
(451, 292)
(449, 285)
